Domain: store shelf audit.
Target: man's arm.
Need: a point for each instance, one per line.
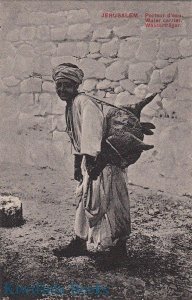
(92, 135)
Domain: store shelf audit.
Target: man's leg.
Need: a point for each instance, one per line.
(77, 247)
(81, 226)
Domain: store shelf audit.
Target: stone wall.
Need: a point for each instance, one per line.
(117, 55)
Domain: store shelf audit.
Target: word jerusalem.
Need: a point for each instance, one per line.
(119, 15)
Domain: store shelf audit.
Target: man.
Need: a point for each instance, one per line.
(103, 212)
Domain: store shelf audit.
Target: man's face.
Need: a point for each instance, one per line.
(66, 89)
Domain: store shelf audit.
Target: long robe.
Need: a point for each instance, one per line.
(103, 210)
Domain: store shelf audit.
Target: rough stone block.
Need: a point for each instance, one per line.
(26, 51)
(3, 87)
(118, 90)
(141, 91)
(13, 35)
(77, 16)
(110, 97)
(14, 90)
(31, 85)
(9, 109)
(58, 106)
(92, 68)
(23, 66)
(185, 72)
(122, 98)
(100, 94)
(185, 47)
(155, 88)
(155, 77)
(168, 49)
(89, 84)
(170, 91)
(42, 65)
(25, 102)
(140, 72)
(132, 28)
(152, 109)
(79, 31)
(38, 18)
(45, 48)
(147, 50)
(104, 84)
(189, 26)
(7, 50)
(6, 66)
(116, 71)
(168, 73)
(107, 61)
(114, 84)
(48, 87)
(184, 94)
(11, 212)
(55, 61)
(57, 18)
(110, 49)
(94, 47)
(27, 33)
(161, 63)
(45, 100)
(43, 33)
(128, 48)
(23, 19)
(79, 49)
(59, 33)
(59, 123)
(181, 110)
(101, 33)
(10, 81)
(82, 49)
(127, 85)
(94, 55)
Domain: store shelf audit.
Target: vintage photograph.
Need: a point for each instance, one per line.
(95, 150)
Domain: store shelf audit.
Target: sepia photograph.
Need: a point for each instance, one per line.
(95, 150)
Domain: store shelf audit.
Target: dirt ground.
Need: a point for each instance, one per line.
(158, 264)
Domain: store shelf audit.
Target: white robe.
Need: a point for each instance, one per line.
(103, 209)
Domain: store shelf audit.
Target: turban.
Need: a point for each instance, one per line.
(67, 71)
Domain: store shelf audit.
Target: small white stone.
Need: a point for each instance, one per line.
(118, 90)
(104, 84)
(89, 84)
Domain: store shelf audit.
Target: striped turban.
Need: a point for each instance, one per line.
(68, 71)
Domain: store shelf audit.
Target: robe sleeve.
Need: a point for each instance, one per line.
(91, 129)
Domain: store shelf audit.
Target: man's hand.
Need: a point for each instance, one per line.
(78, 174)
(77, 168)
(91, 167)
